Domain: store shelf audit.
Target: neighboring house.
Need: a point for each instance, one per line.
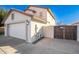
(28, 25)
(76, 23)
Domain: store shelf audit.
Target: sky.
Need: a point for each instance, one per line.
(67, 14)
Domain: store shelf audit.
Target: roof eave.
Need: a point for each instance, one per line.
(11, 10)
(43, 8)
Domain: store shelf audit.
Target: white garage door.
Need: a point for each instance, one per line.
(18, 30)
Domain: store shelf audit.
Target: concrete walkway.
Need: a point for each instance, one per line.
(44, 46)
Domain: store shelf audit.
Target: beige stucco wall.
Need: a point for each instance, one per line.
(50, 20)
(48, 32)
(39, 30)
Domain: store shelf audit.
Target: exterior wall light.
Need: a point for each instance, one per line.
(27, 22)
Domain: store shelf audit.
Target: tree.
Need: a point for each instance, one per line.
(60, 23)
(3, 13)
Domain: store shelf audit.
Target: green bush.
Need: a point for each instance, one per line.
(3, 13)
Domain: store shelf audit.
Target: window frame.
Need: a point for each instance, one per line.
(12, 16)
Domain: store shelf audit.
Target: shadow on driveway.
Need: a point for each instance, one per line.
(9, 44)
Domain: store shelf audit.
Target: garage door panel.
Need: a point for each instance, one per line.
(17, 30)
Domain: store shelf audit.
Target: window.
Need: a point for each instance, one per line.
(41, 14)
(27, 22)
(12, 16)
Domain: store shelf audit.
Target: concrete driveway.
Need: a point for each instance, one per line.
(44, 46)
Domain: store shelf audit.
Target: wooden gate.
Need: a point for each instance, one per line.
(65, 32)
